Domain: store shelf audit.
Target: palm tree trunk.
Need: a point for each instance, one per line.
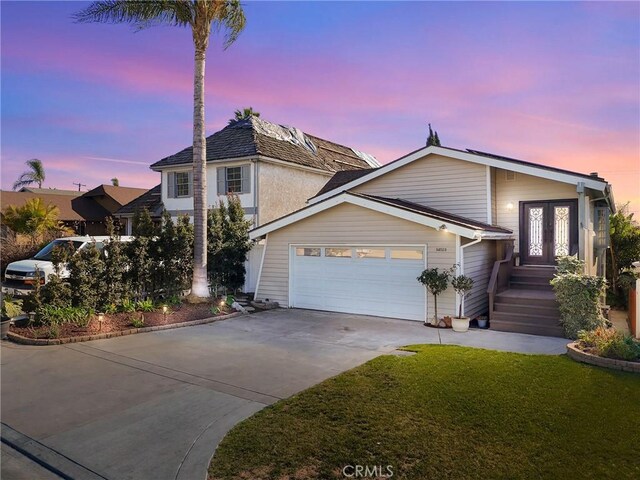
(199, 286)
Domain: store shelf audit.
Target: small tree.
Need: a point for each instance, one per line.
(462, 285)
(625, 249)
(433, 139)
(56, 291)
(436, 282)
(34, 218)
(228, 240)
(86, 278)
(142, 224)
(116, 265)
(243, 114)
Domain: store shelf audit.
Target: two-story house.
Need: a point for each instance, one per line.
(273, 169)
(362, 241)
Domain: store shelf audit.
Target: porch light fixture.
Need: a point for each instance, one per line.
(443, 228)
(509, 206)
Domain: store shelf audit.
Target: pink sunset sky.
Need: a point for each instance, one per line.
(553, 83)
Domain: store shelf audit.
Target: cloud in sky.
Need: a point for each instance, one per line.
(555, 83)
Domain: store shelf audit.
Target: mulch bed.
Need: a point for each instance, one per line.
(124, 321)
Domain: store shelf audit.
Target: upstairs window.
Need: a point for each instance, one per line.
(234, 180)
(180, 184)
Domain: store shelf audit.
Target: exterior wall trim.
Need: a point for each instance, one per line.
(264, 253)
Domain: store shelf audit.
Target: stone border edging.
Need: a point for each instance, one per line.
(14, 337)
(579, 356)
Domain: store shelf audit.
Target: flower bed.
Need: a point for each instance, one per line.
(575, 352)
(117, 323)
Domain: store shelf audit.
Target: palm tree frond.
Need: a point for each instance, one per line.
(232, 18)
(140, 14)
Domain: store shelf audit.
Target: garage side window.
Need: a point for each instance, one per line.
(337, 252)
(307, 252)
(407, 253)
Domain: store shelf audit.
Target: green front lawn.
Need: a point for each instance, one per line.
(447, 413)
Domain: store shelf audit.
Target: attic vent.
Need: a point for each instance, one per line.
(509, 176)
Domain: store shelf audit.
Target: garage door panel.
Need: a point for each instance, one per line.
(368, 286)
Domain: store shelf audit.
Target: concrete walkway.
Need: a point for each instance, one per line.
(155, 405)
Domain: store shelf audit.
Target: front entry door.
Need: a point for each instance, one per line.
(548, 229)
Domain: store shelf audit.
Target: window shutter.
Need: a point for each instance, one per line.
(171, 185)
(246, 179)
(190, 183)
(221, 175)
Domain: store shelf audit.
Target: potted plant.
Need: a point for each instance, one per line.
(436, 282)
(482, 321)
(462, 285)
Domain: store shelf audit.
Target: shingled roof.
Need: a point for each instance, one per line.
(255, 136)
(151, 200)
(122, 195)
(70, 208)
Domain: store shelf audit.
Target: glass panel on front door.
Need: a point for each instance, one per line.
(548, 229)
(536, 231)
(561, 227)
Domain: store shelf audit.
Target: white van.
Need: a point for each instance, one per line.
(20, 276)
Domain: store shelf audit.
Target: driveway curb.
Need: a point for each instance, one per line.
(49, 459)
(14, 337)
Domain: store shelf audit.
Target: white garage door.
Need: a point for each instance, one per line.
(368, 280)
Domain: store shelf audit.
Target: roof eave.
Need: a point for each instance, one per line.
(527, 169)
(345, 197)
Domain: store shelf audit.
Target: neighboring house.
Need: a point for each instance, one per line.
(362, 241)
(273, 169)
(151, 200)
(84, 212)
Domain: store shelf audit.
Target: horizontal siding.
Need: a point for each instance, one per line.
(435, 181)
(478, 263)
(352, 225)
(525, 188)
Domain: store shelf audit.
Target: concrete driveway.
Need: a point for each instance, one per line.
(155, 405)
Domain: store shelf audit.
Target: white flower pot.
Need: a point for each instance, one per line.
(460, 324)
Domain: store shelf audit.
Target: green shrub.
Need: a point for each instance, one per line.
(52, 315)
(11, 308)
(569, 264)
(609, 343)
(116, 265)
(145, 306)
(579, 299)
(127, 306)
(111, 308)
(227, 245)
(86, 278)
(137, 321)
